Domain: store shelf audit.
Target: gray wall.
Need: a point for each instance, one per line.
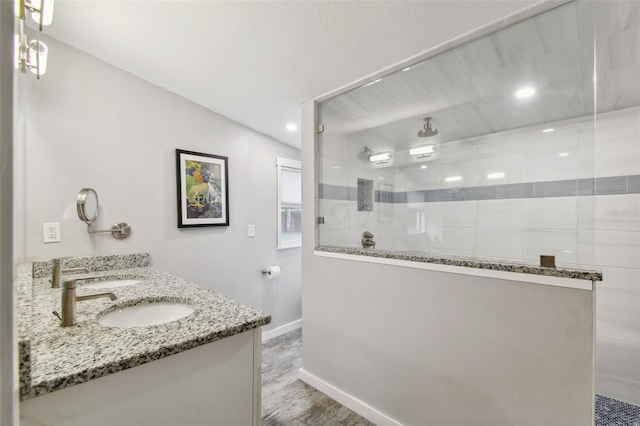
(89, 124)
(8, 347)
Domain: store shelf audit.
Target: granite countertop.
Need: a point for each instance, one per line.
(581, 274)
(60, 357)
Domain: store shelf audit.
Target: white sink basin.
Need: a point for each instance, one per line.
(146, 314)
(110, 284)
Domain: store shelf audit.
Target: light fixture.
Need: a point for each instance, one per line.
(292, 127)
(32, 55)
(496, 175)
(377, 157)
(548, 130)
(406, 69)
(453, 179)
(563, 154)
(525, 92)
(41, 11)
(422, 151)
(423, 167)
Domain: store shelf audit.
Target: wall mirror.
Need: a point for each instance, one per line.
(88, 207)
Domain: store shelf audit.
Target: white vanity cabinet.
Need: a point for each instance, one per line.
(214, 384)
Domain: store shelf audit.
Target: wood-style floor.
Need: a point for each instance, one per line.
(288, 401)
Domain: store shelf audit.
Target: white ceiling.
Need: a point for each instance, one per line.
(256, 62)
(470, 91)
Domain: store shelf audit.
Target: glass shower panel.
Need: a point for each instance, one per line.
(497, 170)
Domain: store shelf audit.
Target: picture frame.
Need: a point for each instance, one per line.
(203, 189)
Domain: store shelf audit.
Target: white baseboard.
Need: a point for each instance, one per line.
(279, 331)
(349, 401)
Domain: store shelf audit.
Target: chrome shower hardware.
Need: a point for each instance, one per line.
(427, 131)
(367, 240)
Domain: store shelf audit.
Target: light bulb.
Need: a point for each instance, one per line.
(38, 57)
(43, 8)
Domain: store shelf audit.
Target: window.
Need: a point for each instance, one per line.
(289, 203)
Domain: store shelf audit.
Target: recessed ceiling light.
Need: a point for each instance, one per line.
(525, 92)
(406, 69)
(496, 175)
(563, 154)
(547, 130)
(336, 167)
(423, 167)
(453, 179)
(292, 127)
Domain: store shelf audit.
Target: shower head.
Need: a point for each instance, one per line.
(427, 131)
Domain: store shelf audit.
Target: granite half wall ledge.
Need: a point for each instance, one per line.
(580, 274)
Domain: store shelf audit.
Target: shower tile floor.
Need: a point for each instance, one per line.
(288, 401)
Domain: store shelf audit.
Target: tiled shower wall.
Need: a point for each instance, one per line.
(573, 193)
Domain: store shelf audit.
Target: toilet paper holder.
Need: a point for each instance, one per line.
(271, 270)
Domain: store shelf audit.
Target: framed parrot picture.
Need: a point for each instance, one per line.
(203, 189)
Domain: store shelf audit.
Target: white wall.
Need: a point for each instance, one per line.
(89, 124)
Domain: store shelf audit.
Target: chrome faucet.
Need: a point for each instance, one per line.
(56, 279)
(70, 301)
(367, 240)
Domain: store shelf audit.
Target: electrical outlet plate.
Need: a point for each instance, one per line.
(51, 232)
(251, 231)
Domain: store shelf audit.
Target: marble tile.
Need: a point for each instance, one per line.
(500, 243)
(619, 322)
(550, 213)
(619, 286)
(500, 214)
(617, 213)
(335, 192)
(618, 358)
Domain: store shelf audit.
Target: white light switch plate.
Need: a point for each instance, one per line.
(251, 231)
(51, 232)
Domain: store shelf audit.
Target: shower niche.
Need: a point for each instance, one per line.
(365, 195)
(478, 151)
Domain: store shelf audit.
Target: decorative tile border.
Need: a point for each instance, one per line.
(559, 188)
